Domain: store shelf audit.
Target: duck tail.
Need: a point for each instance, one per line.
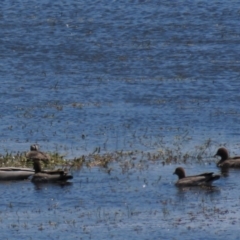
(67, 176)
(214, 177)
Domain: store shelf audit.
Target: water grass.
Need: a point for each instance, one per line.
(126, 159)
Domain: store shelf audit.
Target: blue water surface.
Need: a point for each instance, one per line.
(119, 75)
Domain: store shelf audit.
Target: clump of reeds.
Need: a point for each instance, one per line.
(13, 160)
(126, 159)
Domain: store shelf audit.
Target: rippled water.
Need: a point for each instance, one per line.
(120, 76)
(116, 72)
(137, 204)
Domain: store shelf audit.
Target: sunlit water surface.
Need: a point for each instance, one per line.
(141, 204)
(115, 75)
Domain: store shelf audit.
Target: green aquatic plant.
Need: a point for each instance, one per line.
(127, 160)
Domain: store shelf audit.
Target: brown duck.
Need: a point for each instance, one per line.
(44, 175)
(49, 175)
(226, 161)
(35, 154)
(196, 180)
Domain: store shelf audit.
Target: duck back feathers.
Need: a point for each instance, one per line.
(195, 180)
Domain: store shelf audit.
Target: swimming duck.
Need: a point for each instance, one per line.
(226, 161)
(196, 180)
(48, 175)
(35, 154)
(15, 173)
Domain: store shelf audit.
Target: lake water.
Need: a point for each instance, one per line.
(120, 76)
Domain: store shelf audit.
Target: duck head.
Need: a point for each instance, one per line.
(34, 147)
(180, 172)
(223, 153)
